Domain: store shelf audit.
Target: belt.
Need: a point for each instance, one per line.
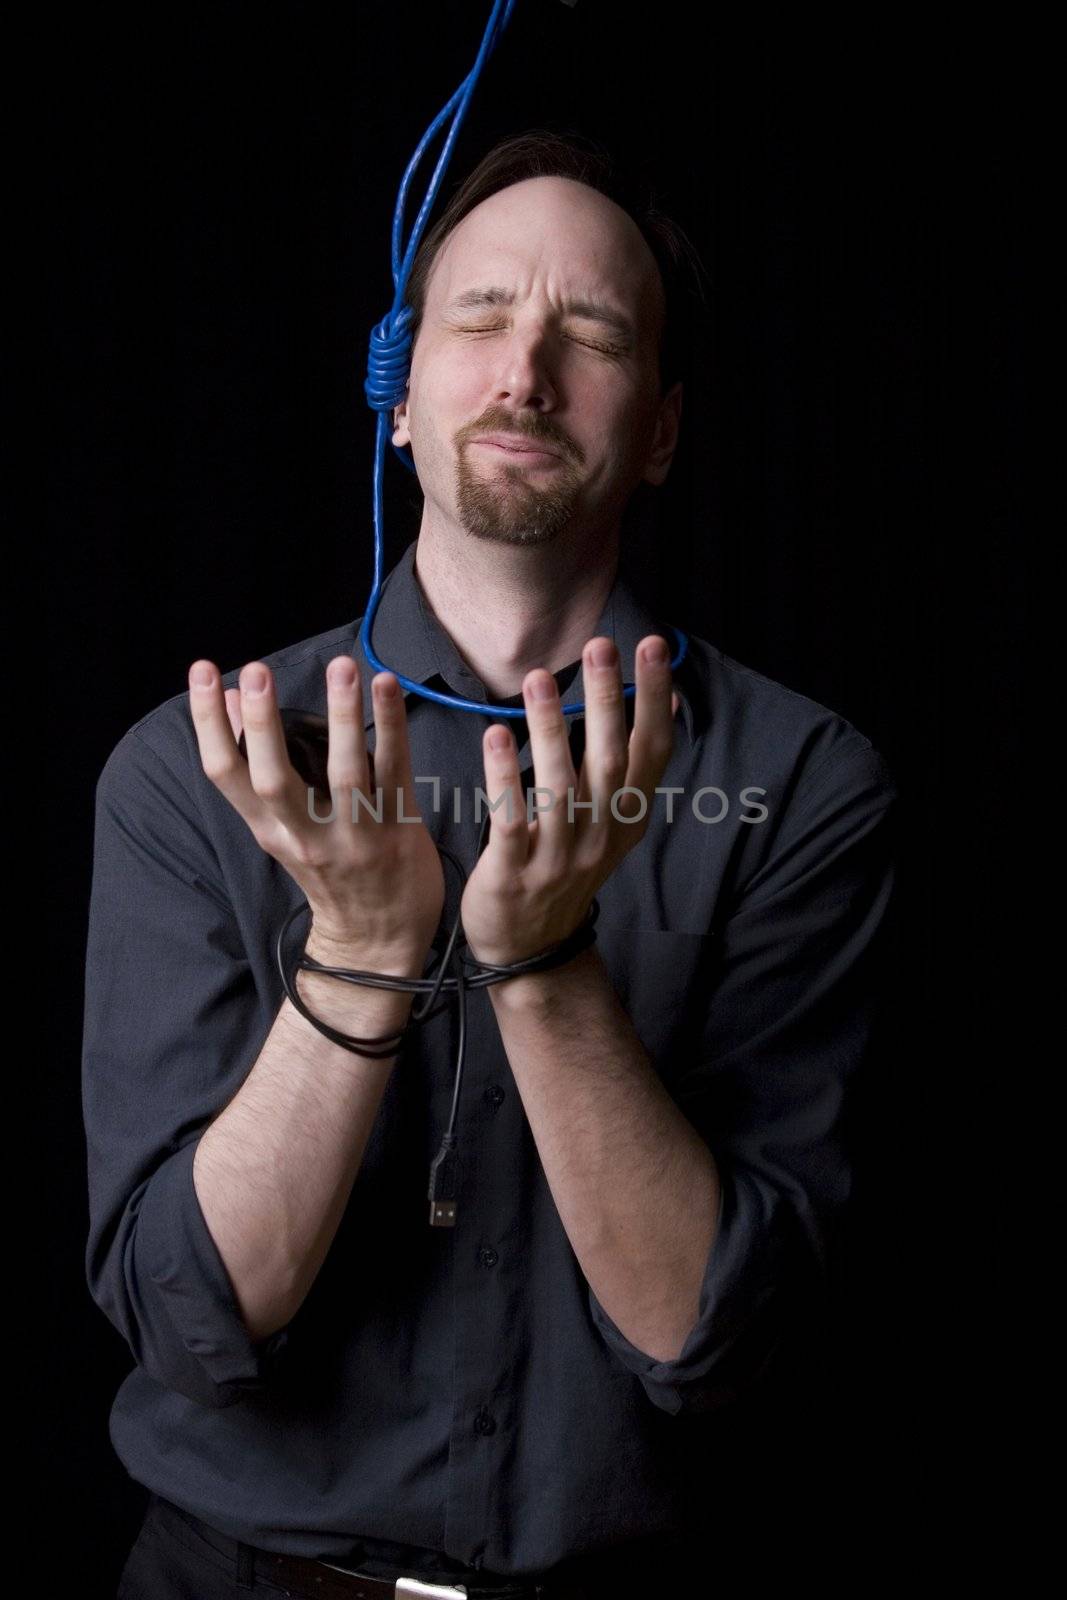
(324, 1580)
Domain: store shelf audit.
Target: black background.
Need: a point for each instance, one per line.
(843, 514)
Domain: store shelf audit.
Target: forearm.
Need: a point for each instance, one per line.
(635, 1185)
(274, 1171)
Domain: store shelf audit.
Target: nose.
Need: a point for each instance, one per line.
(525, 376)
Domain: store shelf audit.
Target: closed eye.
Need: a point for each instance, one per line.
(606, 349)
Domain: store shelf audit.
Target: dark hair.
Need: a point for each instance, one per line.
(539, 153)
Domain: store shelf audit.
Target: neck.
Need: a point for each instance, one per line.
(509, 609)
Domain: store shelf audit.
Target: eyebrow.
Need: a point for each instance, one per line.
(580, 306)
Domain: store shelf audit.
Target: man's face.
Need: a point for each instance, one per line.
(541, 368)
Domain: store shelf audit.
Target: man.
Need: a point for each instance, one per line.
(648, 1134)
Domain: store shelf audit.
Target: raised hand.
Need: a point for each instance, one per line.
(373, 885)
(536, 879)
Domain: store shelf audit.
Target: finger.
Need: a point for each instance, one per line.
(392, 753)
(653, 733)
(553, 770)
(346, 761)
(220, 758)
(233, 710)
(509, 840)
(273, 776)
(604, 767)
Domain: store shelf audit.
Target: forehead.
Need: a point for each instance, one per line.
(553, 233)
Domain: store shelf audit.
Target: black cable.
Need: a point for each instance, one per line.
(443, 1171)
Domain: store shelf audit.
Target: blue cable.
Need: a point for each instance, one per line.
(389, 365)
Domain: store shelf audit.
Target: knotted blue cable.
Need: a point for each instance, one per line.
(389, 365)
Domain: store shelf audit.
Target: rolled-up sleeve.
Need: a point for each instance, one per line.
(788, 1019)
(170, 1032)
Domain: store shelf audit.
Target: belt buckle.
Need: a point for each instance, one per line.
(414, 1587)
(430, 1591)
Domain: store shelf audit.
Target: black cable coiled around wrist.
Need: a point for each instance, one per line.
(443, 1176)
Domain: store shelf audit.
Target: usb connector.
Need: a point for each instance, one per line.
(444, 1182)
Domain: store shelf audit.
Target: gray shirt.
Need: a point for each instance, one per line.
(457, 1399)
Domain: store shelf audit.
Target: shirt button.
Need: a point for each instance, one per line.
(494, 1095)
(483, 1423)
(488, 1257)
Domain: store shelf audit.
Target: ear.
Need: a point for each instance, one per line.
(665, 438)
(401, 433)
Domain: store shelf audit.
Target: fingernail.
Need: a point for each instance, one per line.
(255, 680)
(602, 653)
(498, 739)
(203, 677)
(542, 688)
(655, 654)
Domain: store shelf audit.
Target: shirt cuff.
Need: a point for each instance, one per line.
(737, 1329)
(176, 1251)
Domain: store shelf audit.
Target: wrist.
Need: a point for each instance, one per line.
(401, 959)
(544, 991)
(358, 1008)
(355, 1009)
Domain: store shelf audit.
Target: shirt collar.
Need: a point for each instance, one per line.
(408, 637)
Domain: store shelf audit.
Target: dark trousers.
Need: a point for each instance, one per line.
(170, 1559)
(177, 1557)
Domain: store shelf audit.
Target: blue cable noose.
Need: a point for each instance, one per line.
(389, 364)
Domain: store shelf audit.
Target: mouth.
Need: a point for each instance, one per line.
(523, 454)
